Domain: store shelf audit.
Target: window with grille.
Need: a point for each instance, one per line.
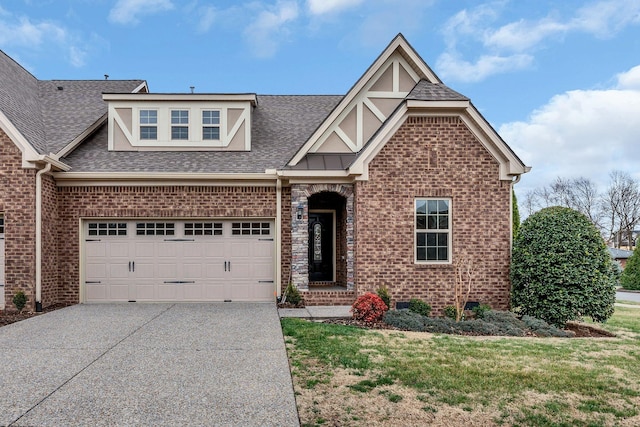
(107, 229)
(155, 229)
(203, 229)
(250, 228)
(433, 230)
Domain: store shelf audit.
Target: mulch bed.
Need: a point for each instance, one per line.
(581, 330)
(9, 317)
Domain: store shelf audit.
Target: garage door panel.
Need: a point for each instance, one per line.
(192, 250)
(197, 266)
(192, 291)
(192, 271)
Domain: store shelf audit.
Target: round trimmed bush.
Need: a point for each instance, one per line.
(561, 269)
(369, 308)
(630, 278)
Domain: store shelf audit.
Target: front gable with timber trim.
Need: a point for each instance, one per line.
(370, 101)
(398, 85)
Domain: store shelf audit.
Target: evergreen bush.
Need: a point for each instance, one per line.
(420, 307)
(383, 293)
(630, 277)
(561, 269)
(19, 300)
(369, 308)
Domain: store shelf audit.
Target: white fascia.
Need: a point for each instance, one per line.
(69, 179)
(29, 154)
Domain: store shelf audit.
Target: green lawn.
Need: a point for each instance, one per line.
(348, 376)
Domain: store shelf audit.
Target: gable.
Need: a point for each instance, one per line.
(370, 102)
(370, 108)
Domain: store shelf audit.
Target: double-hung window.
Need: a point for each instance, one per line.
(179, 124)
(210, 125)
(433, 230)
(148, 124)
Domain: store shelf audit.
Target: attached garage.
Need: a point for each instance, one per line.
(181, 260)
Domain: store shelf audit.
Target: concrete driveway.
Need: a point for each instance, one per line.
(147, 364)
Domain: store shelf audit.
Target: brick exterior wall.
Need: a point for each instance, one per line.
(50, 273)
(75, 203)
(433, 157)
(17, 202)
(286, 237)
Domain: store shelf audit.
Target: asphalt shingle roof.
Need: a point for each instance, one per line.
(48, 117)
(427, 91)
(281, 124)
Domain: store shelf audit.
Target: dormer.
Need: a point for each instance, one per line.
(179, 122)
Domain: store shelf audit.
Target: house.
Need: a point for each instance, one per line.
(112, 193)
(620, 256)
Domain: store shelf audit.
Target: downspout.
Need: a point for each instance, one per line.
(39, 174)
(278, 237)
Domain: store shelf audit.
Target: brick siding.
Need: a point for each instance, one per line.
(17, 202)
(433, 157)
(75, 203)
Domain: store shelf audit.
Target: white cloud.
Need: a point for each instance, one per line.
(207, 18)
(270, 27)
(43, 35)
(127, 11)
(473, 31)
(581, 133)
(629, 79)
(321, 7)
(456, 68)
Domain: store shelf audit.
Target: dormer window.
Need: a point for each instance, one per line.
(179, 124)
(148, 124)
(210, 125)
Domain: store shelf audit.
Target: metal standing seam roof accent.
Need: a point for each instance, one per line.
(51, 113)
(280, 124)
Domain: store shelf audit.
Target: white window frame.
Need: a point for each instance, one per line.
(180, 124)
(211, 125)
(416, 230)
(147, 124)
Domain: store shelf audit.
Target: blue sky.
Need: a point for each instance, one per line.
(559, 80)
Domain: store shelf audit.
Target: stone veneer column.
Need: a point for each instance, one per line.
(300, 194)
(300, 237)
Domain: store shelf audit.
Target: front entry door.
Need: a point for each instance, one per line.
(321, 236)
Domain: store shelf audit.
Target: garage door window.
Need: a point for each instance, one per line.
(106, 229)
(155, 229)
(203, 229)
(250, 229)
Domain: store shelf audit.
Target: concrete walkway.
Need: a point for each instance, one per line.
(319, 312)
(147, 364)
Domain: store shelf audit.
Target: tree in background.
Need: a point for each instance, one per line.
(615, 212)
(630, 278)
(561, 269)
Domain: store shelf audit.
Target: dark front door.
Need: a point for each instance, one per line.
(320, 246)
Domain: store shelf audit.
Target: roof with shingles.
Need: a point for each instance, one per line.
(49, 117)
(427, 91)
(281, 123)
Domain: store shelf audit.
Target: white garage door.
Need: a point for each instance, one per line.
(203, 260)
(1, 261)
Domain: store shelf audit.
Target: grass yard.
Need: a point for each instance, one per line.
(348, 376)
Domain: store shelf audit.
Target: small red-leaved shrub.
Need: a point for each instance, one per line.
(369, 308)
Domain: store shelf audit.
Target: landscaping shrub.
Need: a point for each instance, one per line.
(449, 311)
(543, 329)
(292, 294)
(383, 293)
(420, 307)
(440, 325)
(404, 319)
(20, 300)
(369, 308)
(561, 269)
(630, 277)
(480, 310)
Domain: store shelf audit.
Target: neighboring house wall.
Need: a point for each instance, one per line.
(75, 203)
(17, 201)
(50, 274)
(433, 157)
